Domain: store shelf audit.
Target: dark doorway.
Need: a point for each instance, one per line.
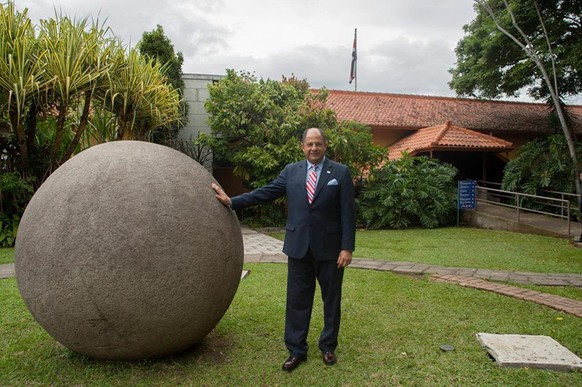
(486, 166)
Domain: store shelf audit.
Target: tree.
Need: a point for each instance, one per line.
(75, 63)
(351, 143)
(53, 76)
(140, 98)
(537, 34)
(257, 126)
(20, 70)
(155, 45)
(491, 65)
(60, 81)
(541, 164)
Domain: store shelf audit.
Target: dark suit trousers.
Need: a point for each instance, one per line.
(301, 276)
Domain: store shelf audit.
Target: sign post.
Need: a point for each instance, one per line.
(466, 196)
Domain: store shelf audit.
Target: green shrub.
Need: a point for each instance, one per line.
(15, 193)
(265, 215)
(409, 192)
(542, 164)
(8, 229)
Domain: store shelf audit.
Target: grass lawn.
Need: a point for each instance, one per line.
(469, 247)
(474, 248)
(458, 247)
(392, 325)
(391, 332)
(6, 255)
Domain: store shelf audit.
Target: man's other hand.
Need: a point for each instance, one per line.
(344, 259)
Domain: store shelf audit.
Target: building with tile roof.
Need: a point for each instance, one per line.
(447, 137)
(476, 136)
(412, 112)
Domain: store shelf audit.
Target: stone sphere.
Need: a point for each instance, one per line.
(124, 252)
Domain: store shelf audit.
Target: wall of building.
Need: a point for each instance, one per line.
(196, 94)
(388, 136)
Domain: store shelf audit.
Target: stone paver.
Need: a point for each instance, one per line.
(533, 351)
(7, 270)
(259, 247)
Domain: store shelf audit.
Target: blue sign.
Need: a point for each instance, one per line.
(466, 194)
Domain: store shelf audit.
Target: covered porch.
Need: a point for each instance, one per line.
(476, 155)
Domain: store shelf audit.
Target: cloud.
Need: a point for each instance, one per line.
(399, 65)
(402, 65)
(403, 46)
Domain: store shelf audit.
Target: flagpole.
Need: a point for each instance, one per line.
(356, 78)
(356, 62)
(354, 66)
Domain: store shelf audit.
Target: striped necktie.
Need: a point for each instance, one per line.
(311, 182)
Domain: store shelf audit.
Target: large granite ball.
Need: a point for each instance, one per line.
(124, 252)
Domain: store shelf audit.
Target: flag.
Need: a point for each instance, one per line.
(354, 57)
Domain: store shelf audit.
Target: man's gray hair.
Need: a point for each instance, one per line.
(320, 132)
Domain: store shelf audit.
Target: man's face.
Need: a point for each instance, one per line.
(314, 147)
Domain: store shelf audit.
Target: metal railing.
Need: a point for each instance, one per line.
(537, 204)
(571, 197)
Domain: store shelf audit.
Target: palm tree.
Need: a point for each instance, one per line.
(21, 73)
(76, 63)
(140, 97)
(66, 74)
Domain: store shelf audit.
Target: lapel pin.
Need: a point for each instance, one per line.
(328, 171)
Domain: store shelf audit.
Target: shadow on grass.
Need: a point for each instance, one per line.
(212, 350)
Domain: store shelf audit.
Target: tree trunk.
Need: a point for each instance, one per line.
(80, 127)
(552, 88)
(58, 135)
(19, 131)
(31, 126)
(122, 124)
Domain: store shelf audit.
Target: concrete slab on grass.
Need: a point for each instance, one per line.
(531, 351)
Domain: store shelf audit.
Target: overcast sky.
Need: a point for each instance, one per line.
(403, 46)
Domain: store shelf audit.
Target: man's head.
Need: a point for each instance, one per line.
(313, 145)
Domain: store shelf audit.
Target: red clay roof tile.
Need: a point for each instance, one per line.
(447, 137)
(415, 112)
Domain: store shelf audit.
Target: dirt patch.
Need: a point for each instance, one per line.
(211, 350)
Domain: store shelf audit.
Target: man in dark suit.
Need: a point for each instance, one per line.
(319, 240)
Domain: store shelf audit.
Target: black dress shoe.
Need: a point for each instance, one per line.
(293, 362)
(329, 358)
